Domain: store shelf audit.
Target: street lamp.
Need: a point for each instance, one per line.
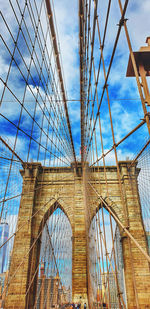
(142, 59)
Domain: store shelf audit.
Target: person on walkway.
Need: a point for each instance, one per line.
(85, 306)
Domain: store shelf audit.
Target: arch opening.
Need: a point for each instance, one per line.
(54, 283)
(106, 268)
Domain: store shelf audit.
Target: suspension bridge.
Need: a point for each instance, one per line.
(75, 164)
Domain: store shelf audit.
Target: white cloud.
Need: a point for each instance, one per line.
(67, 23)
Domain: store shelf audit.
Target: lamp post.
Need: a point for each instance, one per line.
(142, 62)
(142, 59)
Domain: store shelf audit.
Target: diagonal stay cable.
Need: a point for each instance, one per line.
(55, 45)
(120, 224)
(121, 22)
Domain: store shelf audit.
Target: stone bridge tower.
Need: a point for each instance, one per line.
(45, 189)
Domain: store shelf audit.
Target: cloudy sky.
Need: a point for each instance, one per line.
(124, 97)
(126, 113)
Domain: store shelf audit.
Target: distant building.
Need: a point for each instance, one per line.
(3, 288)
(64, 295)
(4, 233)
(103, 294)
(49, 292)
(113, 292)
(148, 241)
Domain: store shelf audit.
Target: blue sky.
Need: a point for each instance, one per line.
(62, 247)
(125, 113)
(124, 98)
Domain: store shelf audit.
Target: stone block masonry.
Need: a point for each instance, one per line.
(45, 189)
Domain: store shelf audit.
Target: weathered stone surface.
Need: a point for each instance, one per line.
(45, 189)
